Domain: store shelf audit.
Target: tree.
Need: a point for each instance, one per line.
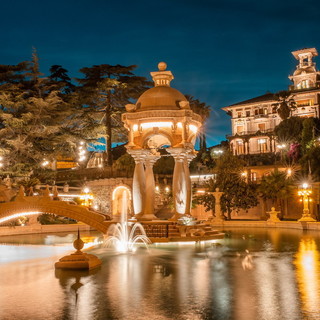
(202, 109)
(289, 130)
(238, 193)
(36, 121)
(285, 104)
(103, 92)
(59, 77)
(276, 187)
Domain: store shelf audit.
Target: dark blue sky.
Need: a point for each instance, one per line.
(221, 52)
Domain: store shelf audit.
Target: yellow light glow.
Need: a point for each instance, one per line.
(308, 274)
(179, 125)
(135, 127)
(244, 173)
(17, 215)
(193, 128)
(118, 188)
(148, 125)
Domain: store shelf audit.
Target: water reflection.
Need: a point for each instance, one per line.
(308, 276)
(280, 274)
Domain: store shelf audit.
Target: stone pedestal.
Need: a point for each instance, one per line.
(78, 260)
(273, 215)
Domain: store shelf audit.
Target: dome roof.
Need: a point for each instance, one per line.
(160, 98)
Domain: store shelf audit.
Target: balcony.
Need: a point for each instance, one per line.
(259, 116)
(250, 133)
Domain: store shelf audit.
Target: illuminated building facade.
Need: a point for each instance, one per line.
(253, 121)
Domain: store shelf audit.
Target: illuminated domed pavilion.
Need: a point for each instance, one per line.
(161, 118)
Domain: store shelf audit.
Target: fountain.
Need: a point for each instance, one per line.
(125, 235)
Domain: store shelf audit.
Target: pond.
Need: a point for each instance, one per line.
(251, 274)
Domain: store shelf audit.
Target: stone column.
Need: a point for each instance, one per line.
(139, 181)
(148, 211)
(181, 185)
(188, 158)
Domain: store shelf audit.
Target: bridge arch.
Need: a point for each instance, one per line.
(38, 205)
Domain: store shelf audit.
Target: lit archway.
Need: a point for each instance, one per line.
(121, 202)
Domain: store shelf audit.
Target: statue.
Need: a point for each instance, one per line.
(217, 208)
(273, 215)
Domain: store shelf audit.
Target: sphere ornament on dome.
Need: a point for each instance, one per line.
(162, 66)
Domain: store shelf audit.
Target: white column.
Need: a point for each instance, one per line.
(181, 184)
(148, 212)
(187, 161)
(139, 181)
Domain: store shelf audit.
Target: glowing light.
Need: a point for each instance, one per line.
(1, 158)
(308, 271)
(167, 189)
(81, 143)
(86, 190)
(244, 173)
(281, 146)
(135, 127)
(100, 165)
(218, 151)
(17, 215)
(118, 188)
(148, 125)
(157, 188)
(193, 128)
(305, 185)
(201, 191)
(45, 163)
(179, 125)
(1, 165)
(262, 141)
(95, 207)
(289, 172)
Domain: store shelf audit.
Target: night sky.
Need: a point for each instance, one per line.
(220, 52)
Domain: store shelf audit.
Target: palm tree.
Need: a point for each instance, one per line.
(276, 187)
(202, 109)
(285, 104)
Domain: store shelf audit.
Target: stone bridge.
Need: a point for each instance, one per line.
(35, 205)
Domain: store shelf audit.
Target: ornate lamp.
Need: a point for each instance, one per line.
(305, 194)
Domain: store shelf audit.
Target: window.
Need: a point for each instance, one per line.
(239, 147)
(248, 113)
(265, 111)
(261, 127)
(305, 103)
(256, 112)
(262, 143)
(303, 84)
(253, 176)
(261, 111)
(274, 109)
(239, 114)
(239, 129)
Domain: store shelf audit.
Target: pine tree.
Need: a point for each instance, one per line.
(37, 123)
(103, 93)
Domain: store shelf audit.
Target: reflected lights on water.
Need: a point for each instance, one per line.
(308, 276)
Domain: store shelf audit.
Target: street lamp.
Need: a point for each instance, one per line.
(86, 197)
(305, 194)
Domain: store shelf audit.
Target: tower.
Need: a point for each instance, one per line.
(306, 75)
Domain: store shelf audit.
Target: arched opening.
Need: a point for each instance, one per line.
(121, 201)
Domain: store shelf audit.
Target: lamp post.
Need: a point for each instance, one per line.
(305, 194)
(86, 197)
